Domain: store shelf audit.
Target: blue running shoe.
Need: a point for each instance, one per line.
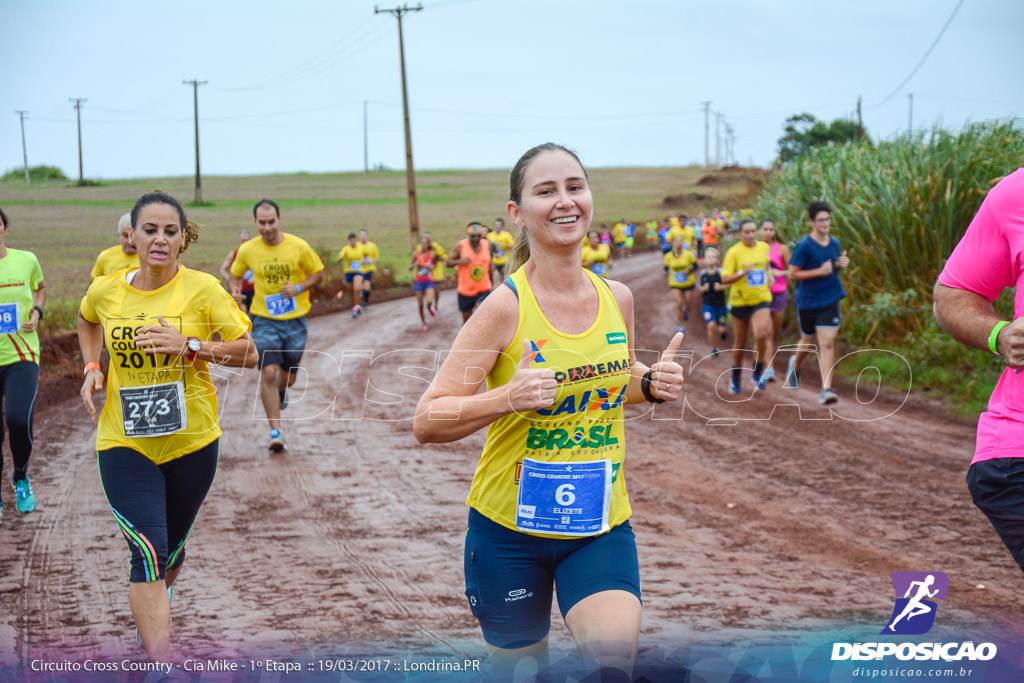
(760, 383)
(734, 387)
(23, 498)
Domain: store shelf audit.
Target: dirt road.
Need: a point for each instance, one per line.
(752, 517)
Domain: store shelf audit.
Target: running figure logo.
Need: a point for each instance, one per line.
(914, 613)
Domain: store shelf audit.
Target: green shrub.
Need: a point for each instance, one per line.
(35, 173)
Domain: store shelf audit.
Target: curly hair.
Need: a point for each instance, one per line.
(189, 229)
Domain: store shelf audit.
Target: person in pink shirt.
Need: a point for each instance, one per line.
(778, 256)
(989, 258)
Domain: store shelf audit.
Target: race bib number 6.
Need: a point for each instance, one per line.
(564, 498)
(10, 318)
(154, 410)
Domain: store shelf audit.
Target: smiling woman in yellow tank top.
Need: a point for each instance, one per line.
(548, 502)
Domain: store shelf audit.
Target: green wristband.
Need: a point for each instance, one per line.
(995, 335)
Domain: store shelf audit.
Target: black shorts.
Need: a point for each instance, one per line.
(744, 312)
(997, 488)
(812, 319)
(510, 576)
(247, 299)
(156, 505)
(468, 303)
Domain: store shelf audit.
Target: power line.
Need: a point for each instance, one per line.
(927, 52)
(316, 65)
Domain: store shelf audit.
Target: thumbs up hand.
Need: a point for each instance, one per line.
(531, 388)
(666, 374)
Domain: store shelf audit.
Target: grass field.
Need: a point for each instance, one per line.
(66, 226)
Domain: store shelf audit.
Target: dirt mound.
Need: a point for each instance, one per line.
(733, 175)
(676, 201)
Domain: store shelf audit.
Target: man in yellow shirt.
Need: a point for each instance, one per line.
(120, 256)
(501, 243)
(284, 269)
(371, 254)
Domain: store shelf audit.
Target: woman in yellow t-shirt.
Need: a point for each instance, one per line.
(681, 264)
(158, 436)
(555, 342)
(597, 257)
(748, 270)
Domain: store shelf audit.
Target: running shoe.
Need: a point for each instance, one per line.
(431, 311)
(282, 395)
(769, 374)
(681, 329)
(792, 376)
(734, 387)
(423, 327)
(760, 383)
(827, 397)
(714, 352)
(23, 498)
(355, 311)
(276, 440)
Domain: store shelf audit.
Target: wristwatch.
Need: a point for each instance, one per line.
(193, 346)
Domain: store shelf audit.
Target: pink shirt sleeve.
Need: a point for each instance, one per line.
(988, 258)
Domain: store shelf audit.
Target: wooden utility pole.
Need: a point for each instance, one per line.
(728, 145)
(410, 174)
(707, 110)
(910, 114)
(718, 143)
(78, 111)
(24, 150)
(860, 123)
(195, 105)
(366, 143)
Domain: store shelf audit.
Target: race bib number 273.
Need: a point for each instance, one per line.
(153, 410)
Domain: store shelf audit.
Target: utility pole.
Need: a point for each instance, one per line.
(718, 144)
(366, 143)
(78, 110)
(860, 123)
(195, 104)
(24, 150)
(728, 144)
(707, 109)
(910, 114)
(410, 174)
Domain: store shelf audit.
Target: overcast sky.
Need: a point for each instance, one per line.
(621, 82)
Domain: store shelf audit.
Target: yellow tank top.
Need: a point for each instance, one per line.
(517, 483)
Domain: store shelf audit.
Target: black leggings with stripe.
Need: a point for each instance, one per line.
(156, 505)
(18, 384)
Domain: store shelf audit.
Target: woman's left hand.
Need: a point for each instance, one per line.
(666, 374)
(161, 338)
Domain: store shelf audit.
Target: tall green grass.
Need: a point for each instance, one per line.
(901, 206)
(899, 209)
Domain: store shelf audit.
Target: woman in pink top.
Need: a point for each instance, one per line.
(778, 256)
(988, 259)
